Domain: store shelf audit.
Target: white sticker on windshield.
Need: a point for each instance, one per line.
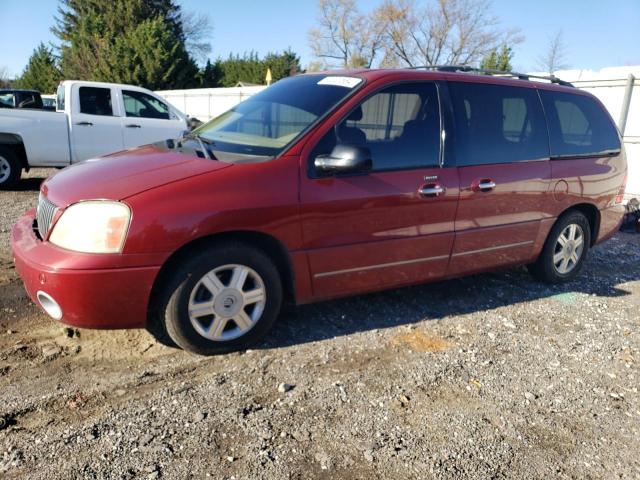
(347, 82)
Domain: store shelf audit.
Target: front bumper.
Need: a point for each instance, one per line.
(93, 291)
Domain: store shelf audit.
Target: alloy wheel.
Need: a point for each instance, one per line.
(5, 169)
(227, 302)
(569, 248)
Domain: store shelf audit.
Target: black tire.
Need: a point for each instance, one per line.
(173, 301)
(544, 268)
(10, 169)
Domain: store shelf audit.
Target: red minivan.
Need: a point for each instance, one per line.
(322, 186)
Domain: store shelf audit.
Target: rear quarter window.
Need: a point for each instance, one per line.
(578, 126)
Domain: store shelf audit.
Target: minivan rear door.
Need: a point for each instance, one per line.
(502, 153)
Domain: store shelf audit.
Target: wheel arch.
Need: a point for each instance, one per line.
(268, 244)
(14, 142)
(592, 213)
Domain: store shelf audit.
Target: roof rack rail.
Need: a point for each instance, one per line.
(483, 71)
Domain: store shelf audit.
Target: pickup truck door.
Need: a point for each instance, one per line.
(147, 119)
(95, 126)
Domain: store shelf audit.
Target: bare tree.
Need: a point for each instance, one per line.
(452, 32)
(345, 37)
(4, 77)
(554, 57)
(197, 31)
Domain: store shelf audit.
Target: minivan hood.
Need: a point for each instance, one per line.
(124, 174)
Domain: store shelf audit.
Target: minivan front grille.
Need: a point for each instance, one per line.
(44, 215)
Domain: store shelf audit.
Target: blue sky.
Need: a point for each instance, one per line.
(597, 33)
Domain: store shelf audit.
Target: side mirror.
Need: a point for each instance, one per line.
(345, 159)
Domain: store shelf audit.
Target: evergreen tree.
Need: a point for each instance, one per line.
(132, 41)
(282, 65)
(250, 68)
(498, 59)
(211, 75)
(41, 73)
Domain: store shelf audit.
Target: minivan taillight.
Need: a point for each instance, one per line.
(620, 196)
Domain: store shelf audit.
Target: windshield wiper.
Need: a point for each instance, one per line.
(202, 141)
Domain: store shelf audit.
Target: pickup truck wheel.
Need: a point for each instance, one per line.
(10, 169)
(565, 249)
(222, 299)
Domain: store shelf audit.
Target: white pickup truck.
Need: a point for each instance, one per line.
(91, 119)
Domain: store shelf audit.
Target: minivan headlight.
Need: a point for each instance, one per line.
(93, 226)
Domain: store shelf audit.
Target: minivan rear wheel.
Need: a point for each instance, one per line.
(565, 249)
(221, 299)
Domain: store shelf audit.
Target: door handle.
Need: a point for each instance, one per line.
(431, 190)
(85, 124)
(133, 125)
(483, 185)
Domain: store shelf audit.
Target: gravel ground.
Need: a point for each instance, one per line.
(492, 376)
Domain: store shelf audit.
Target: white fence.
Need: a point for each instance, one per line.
(608, 84)
(207, 103)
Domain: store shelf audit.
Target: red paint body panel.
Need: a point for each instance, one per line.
(498, 227)
(378, 219)
(88, 297)
(344, 235)
(123, 174)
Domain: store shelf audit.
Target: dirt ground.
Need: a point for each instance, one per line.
(492, 376)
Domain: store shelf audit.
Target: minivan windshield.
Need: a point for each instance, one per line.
(266, 123)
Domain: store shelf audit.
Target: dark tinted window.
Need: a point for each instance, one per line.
(142, 105)
(95, 101)
(28, 100)
(578, 125)
(497, 124)
(400, 125)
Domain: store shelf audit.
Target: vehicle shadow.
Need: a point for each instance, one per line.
(29, 184)
(616, 262)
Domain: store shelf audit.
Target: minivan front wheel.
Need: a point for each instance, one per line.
(222, 299)
(565, 249)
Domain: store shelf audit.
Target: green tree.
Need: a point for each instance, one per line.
(132, 41)
(498, 59)
(250, 68)
(211, 75)
(41, 73)
(282, 65)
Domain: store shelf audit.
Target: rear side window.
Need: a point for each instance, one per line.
(142, 105)
(578, 126)
(95, 101)
(497, 124)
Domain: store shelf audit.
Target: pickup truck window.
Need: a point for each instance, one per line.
(142, 105)
(6, 100)
(95, 101)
